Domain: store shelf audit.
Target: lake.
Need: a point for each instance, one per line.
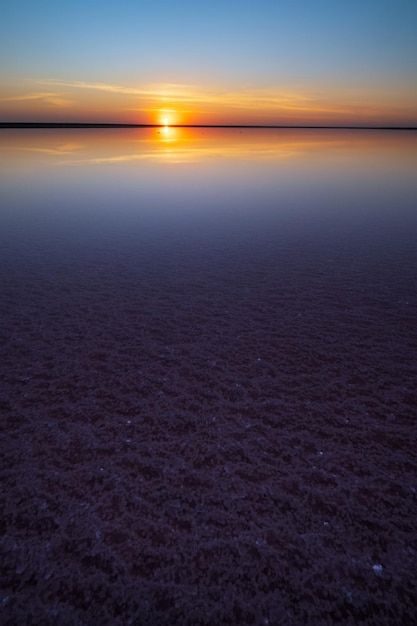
(208, 376)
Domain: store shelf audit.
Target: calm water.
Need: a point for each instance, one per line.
(200, 219)
(208, 371)
(208, 191)
(235, 237)
(167, 200)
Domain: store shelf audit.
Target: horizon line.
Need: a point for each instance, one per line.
(69, 125)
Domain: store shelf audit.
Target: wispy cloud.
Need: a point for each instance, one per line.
(194, 102)
(53, 98)
(117, 89)
(31, 96)
(283, 99)
(60, 102)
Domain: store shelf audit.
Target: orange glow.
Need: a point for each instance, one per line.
(175, 146)
(163, 117)
(171, 105)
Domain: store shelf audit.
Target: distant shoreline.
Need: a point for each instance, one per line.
(69, 125)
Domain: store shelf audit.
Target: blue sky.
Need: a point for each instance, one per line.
(356, 53)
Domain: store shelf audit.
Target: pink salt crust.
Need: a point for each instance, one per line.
(202, 444)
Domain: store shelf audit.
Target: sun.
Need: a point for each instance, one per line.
(166, 117)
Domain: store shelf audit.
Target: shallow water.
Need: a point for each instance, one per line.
(243, 210)
(208, 367)
(180, 196)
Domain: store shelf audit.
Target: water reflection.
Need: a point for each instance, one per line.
(303, 176)
(186, 145)
(273, 228)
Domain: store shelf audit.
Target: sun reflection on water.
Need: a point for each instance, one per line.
(176, 144)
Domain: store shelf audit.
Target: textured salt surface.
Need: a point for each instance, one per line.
(208, 436)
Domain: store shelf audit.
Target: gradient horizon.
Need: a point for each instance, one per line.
(178, 63)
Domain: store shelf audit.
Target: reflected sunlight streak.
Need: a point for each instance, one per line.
(181, 145)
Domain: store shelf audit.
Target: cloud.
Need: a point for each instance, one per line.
(118, 89)
(277, 99)
(30, 96)
(330, 102)
(53, 98)
(59, 102)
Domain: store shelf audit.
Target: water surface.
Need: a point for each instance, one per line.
(208, 364)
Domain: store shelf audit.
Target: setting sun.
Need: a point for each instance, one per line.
(166, 117)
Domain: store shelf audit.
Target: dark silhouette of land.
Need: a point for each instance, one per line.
(100, 125)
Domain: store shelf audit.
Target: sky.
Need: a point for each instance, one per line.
(266, 62)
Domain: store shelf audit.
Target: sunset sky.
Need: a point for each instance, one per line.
(218, 62)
